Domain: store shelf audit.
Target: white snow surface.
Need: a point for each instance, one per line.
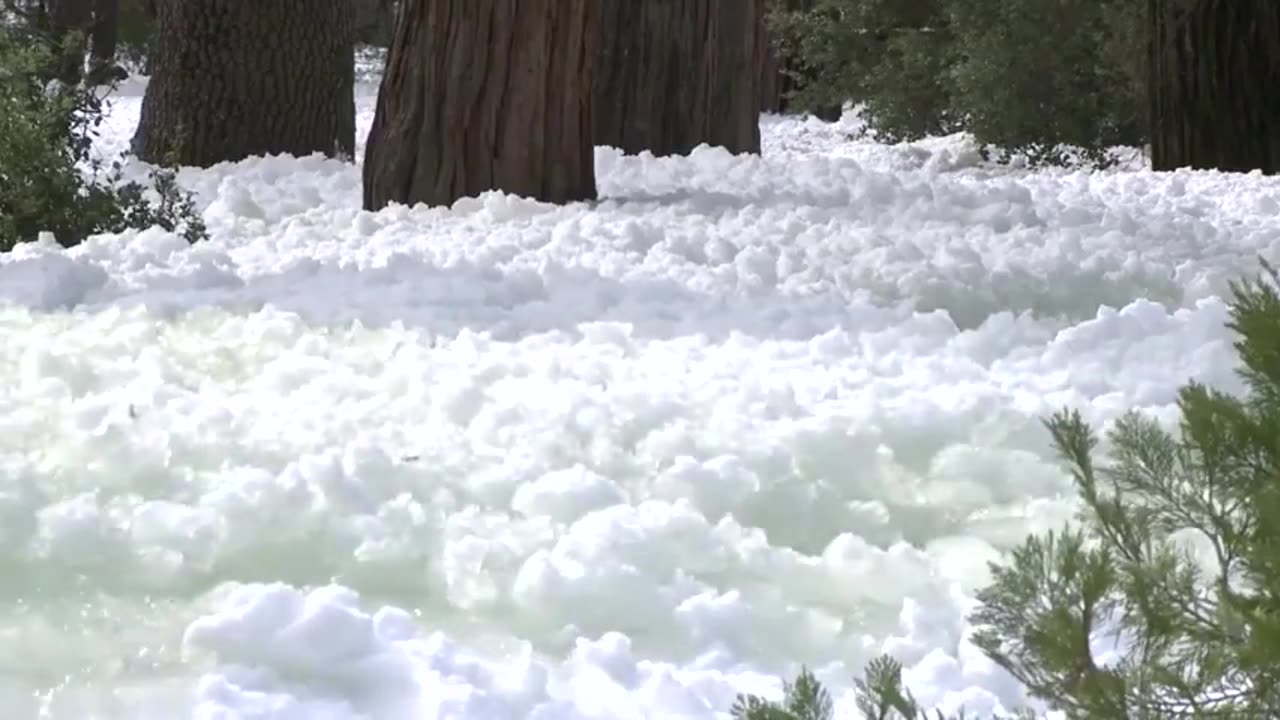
(610, 460)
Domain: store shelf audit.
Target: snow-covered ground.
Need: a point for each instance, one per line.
(512, 460)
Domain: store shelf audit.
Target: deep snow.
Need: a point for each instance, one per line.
(511, 460)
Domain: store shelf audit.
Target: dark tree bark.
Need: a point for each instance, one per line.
(679, 73)
(106, 28)
(68, 22)
(234, 78)
(772, 75)
(375, 21)
(68, 25)
(1215, 84)
(483, 95)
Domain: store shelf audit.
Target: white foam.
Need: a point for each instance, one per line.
(627, 459)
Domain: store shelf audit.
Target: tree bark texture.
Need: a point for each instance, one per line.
(482, 95)
(1215, 84)
(772, 74)
(775, 80)
(679, 73)
(234, 78)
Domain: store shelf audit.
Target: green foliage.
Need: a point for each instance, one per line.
(1175, 564)
(1052, 81)
(1199, 634)
(803, 699)
(1025, 94)
(135, 29)
(890, 55)
(880, 695)
(50, 180)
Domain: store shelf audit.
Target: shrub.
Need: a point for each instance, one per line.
(1198, 635)
(889, 55)
(1024, 77)
(1039, 74)
(50, 179)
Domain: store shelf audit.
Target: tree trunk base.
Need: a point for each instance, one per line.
(483, 95)
(1215, 85)
(234, 79)
(681, 73)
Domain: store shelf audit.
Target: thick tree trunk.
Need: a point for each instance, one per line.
(483, 95)
(679, 73)
(234, 78)
(771, 76)
(1215, 84)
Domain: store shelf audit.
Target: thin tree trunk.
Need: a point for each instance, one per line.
(69, 23)
(234, 78)
(106, 25)
(483, 95)
(679, 73)
(375, 21)
(1215, 84)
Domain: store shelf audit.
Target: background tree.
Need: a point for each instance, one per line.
(783, 75)
(66, 26)
(679, 73)
(483, 95)
(375, 21)
(233, 79)
(136, 31)
(1215, 80)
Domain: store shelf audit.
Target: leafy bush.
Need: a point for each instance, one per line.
(1026, 77)
(49, 178)
(1176, 561)
(1039, 74)
(889, 55)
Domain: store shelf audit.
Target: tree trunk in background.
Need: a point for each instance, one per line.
(375, 20)
(1215, 84)
(771, 75)
(482, 95)
(679, 73)
(234, 78)
(65, 19)
(106, 28)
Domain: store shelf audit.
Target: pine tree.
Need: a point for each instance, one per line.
(1196, 639)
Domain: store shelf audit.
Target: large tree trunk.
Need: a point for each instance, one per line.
(1215, 84)
(679, 73)
(483, 95)
(772, 76)
(236, 78)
